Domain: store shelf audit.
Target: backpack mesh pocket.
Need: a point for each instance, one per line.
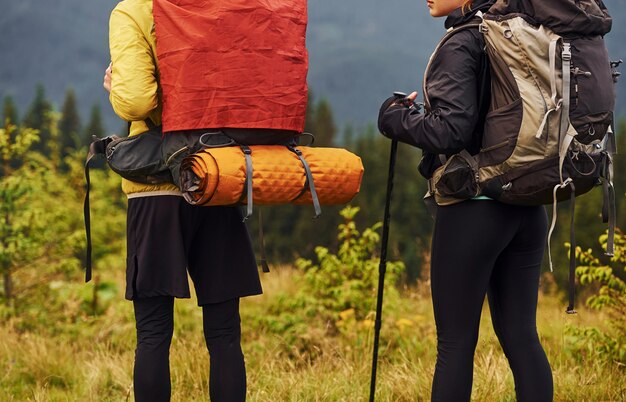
(456, 180)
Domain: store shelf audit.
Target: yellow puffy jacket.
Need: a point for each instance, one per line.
(135, 92)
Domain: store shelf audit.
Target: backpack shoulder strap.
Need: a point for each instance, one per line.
(474, 23)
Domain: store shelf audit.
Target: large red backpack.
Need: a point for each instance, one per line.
(235, 64)
(233, 76)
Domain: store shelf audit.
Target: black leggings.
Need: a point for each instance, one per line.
(486, 247)
(155, 326)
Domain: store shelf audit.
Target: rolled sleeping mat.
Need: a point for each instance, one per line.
(217, 176)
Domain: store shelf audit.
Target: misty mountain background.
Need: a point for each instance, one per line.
(359, 52)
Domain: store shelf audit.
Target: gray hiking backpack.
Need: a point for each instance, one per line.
(548, 135)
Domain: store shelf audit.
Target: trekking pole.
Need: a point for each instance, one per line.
(382, 267)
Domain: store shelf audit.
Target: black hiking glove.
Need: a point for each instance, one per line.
(398, 100)
(390, 102)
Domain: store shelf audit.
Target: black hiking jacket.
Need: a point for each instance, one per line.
(457, 76)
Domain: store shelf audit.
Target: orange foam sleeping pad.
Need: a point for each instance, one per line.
(217, 176)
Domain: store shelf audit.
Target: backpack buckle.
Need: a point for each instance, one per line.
(566, 55)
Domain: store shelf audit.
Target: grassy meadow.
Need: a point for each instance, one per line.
(89, 358)
(309, 337)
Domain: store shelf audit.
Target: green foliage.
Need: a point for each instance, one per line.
(411, 224)
(16, 221)
(42, 237)
(348, 279)
(609, 345)
(15, 143)
(337, 293)
(9, 111)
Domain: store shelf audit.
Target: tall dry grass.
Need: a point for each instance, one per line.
(93, 362)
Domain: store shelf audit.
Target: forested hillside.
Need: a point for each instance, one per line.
(360, 51)
(309, 337)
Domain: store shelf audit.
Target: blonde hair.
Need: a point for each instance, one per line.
(467, 6)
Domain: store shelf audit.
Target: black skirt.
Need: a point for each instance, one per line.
(167, 237)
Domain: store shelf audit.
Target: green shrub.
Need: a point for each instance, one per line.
(336, 294)
(608, 345)
(348, 280)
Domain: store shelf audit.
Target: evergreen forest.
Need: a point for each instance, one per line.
(314, 323)
(309, 336)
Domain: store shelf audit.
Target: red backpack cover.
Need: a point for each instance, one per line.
(235, 64)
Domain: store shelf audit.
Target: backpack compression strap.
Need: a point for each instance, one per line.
(572, 251)
(608, 214)
(555, 103)
(97, 147)
(608, 206)
(247, 152)
(566, 135)
(309, 180)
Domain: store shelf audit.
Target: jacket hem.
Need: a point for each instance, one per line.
(154, 194)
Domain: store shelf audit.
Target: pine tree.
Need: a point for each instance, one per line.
(69, 125)
(15, 144)
(38, 118)
(9, 111)
(324, 123)
(94, 127)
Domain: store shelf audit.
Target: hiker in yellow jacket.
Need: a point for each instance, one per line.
(167, 237)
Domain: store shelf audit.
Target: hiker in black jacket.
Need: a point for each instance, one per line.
(480, 246)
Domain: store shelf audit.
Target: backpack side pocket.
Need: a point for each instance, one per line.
(138, 158)
(456, 180)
